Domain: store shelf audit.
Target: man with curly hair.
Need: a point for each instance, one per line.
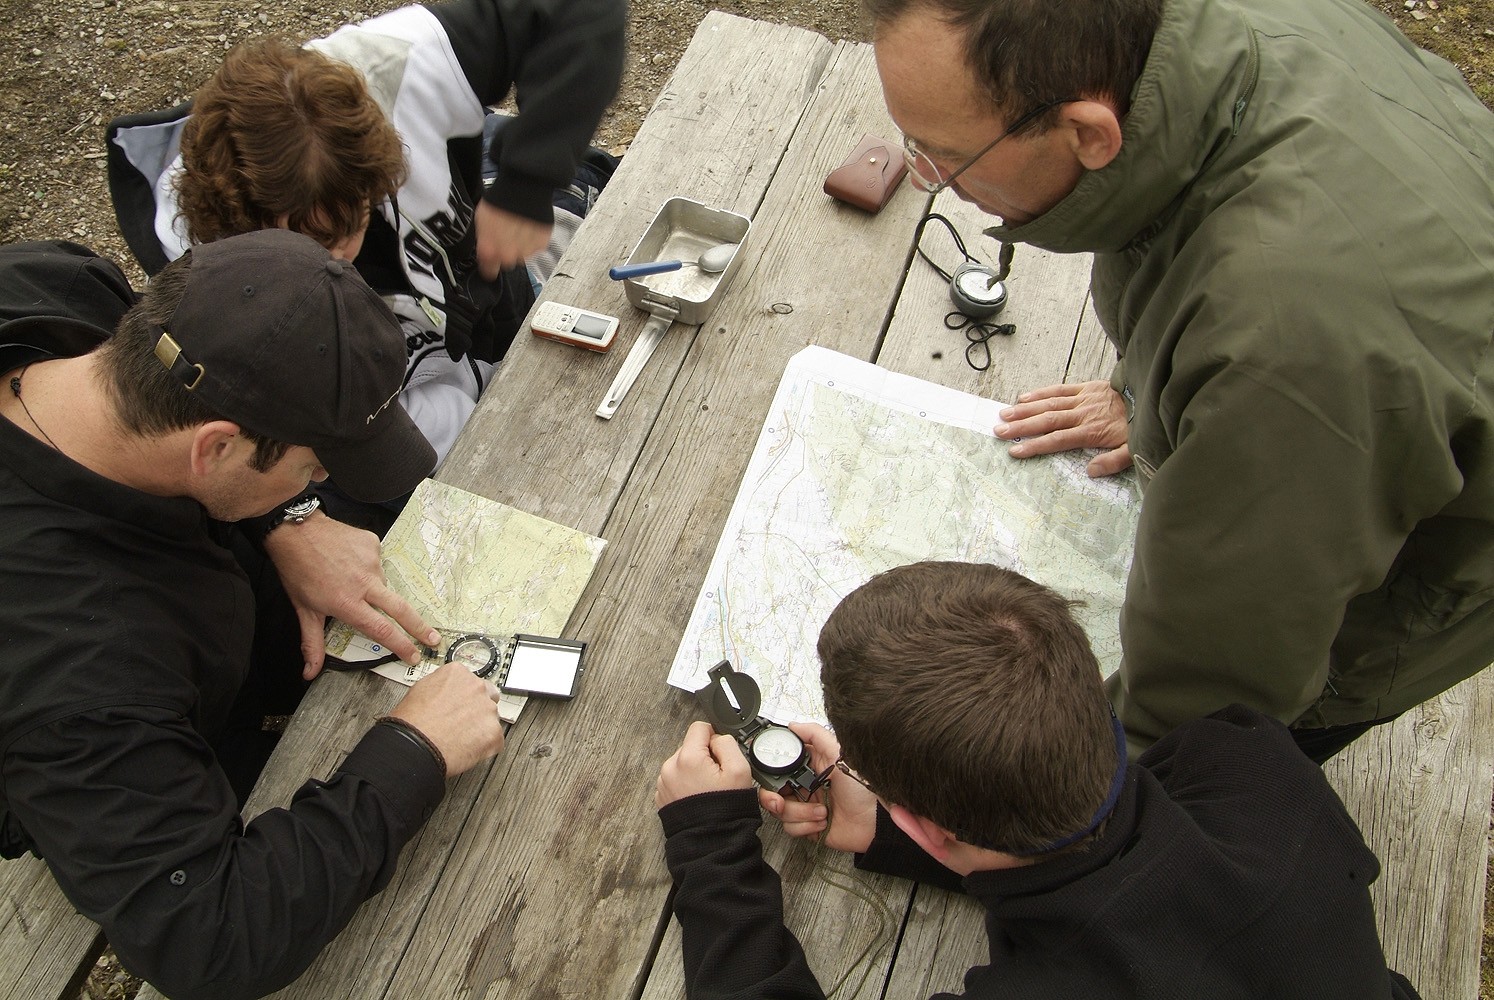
(371, 141)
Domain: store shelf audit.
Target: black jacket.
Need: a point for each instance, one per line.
(1229, 868)
(127, 627)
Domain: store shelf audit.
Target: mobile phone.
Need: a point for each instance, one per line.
(574, 325)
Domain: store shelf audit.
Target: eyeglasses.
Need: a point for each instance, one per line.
(823, 778)
(922, 167)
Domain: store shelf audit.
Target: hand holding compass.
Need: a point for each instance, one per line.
(778, 757)
(842, 811)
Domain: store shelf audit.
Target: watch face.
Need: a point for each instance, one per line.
(979, 287)
(477, 653)
(777, 749)
(301, 509)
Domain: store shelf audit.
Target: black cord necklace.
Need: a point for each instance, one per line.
(976, 323)
(15, 388)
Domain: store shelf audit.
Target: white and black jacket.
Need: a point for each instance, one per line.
(434, 69)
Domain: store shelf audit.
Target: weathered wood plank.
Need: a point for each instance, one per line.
(541, 449)
(945, 937)
(1094, 355)
(1046, 293)
(715, 134)
(1419, 789)
(569, 888)
(46, 947)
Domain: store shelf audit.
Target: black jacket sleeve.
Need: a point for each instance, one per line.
(564, 58)
(730, 904)
(139, 827)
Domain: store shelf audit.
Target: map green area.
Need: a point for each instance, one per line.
(469, 564)
(858, 470)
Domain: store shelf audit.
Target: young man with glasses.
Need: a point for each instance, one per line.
(1292, 220)
(973, 749)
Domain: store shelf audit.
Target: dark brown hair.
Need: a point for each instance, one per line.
(968, 694)
(1026, 53)
(278, 131)
(148, 399)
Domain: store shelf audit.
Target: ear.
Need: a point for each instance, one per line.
(1093, 129)
(214, 444)
(933, 838)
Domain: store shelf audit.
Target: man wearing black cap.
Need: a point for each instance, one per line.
(248, 368)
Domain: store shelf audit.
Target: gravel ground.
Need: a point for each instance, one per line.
(69, 68)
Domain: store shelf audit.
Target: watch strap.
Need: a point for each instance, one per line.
(293, 511)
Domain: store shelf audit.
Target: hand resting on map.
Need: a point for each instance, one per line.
(333, 569)
(1068, 417)
(845, 810)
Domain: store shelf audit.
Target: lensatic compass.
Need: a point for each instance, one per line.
(778, 757)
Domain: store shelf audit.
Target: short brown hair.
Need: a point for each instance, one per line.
(283, 131)
(148, 399)
(1027, 53)
(968, 694)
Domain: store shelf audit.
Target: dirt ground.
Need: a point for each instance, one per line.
(69, 68)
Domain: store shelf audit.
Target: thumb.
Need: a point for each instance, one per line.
(1110, 462)
(313, 642)
(725, 748)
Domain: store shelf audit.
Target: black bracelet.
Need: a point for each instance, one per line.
(415, 736)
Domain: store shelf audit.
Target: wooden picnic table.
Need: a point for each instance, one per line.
(542, 874)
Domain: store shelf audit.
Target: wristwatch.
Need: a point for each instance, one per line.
(295, 512)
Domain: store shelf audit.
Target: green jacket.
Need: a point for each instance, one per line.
(1293, 256)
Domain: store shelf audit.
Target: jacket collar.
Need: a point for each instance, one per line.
(1185, 109)
(1049, 876)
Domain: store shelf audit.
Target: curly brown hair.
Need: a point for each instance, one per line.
(283, 132)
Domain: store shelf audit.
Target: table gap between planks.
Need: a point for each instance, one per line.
(542, 874)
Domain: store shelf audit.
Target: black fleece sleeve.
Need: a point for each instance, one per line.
(564, 58)
(139, 826)
(730, 904)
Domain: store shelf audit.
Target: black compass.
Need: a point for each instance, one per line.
(779, 759)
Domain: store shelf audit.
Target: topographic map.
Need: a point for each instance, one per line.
(858, 470)
(469, 564)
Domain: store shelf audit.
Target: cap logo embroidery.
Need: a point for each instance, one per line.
(382, 407)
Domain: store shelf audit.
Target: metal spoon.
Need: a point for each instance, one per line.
(712, 261)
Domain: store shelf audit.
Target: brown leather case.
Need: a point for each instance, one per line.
(869, 176)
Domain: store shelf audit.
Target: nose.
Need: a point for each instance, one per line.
(319, 476)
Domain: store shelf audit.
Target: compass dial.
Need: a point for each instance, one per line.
(777, 750)
(477, 653)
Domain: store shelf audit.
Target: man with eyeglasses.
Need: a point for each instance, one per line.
(1292, 216)
(973, 750)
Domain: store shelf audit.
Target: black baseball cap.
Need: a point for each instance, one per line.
(276, 335)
